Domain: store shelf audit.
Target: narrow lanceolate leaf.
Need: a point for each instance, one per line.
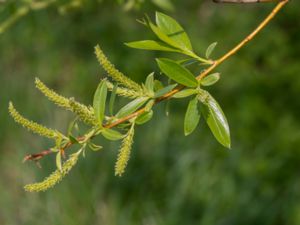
(210, 49)
(131, 107)
(173, 29)
(94, 147)
(58, 161)
(112, 99)
(192, 117)
(144, 118)
(210, 79)
(99, 101)
(152, 45)
(185, 93)
(164, 37)
(215, 119)
(164, 90)
(124, 153)
(32, 126)
(177, 72)
(149, 84)
(112, 135)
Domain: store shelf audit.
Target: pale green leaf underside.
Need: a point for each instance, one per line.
(210, 49)
(185, 93)
(164, 90)
(216, 120)
(131, 107)
(210, 79)
(112, 135)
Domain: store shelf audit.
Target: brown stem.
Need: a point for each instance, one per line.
(180, 87)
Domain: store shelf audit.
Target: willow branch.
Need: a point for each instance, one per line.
(217, 62)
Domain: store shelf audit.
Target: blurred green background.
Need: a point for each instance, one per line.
(170, 179)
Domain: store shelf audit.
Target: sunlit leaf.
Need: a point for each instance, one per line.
(192, 117)
(177, 72)
(164, 37)
(172, 29)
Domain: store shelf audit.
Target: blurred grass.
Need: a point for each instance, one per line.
(171, 179)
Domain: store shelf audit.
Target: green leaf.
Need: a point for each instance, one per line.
(177, 72)
(131, 107)
(143, 118)
(185, 93)
(163, 37)
(151, 45)
(72, 125)
(210, 49)
(164, 4)
(157, 85)
(215, 119)
(164, 90)
(94, 147)
(73, 139)
(210, 79)
(149, 105)
(192, 117)
(58, 161)
(187, 62)
(112, 135)
(112, 99)
(173, 30)
(99, 101)
(149, 84)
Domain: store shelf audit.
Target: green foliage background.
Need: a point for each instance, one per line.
(171, 179)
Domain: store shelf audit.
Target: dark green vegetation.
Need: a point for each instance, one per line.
(171, 179)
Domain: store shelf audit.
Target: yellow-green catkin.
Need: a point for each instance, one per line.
(52, 95)
(125, 92)
(83, 112)
(55, 177)
(114, 73)
(32, 126)
(124, 153)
